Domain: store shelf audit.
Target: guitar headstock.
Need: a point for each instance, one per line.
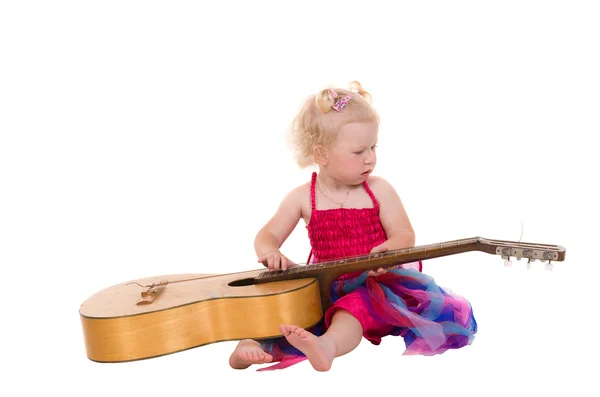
(544, 253)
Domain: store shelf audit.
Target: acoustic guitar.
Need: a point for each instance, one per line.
(154, 316)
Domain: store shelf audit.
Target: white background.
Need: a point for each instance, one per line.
(147, 138)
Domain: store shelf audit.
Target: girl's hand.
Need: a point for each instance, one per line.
(380, 248)
(379, 271)
(275, 260)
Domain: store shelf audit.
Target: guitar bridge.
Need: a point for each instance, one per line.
(151, 292)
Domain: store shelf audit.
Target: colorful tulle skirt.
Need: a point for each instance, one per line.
(401, 302)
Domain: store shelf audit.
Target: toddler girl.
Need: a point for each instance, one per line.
(349, 212)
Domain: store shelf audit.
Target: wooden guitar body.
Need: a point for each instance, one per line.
(161, 315)
(120, 324)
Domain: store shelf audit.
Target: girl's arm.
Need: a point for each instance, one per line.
(395, 221)
(274, 233)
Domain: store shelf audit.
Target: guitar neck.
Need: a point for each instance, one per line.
(379, 260)
(505, 249)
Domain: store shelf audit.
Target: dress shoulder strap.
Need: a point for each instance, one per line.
(370, 192)
(313, 180)
(312, 190)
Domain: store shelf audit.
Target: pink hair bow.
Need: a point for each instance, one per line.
(340, 103)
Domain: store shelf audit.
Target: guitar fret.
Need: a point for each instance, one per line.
(441, 246)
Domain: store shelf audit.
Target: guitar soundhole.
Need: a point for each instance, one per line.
(242, 282)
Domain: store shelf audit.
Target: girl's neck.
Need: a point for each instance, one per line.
(331, 184)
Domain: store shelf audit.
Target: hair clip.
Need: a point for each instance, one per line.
(339, 104)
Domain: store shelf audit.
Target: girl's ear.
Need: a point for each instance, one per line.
(320, 154)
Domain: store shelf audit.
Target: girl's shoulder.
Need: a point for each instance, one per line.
(379, 184)
(298, 201)
(300, 192)
(382, 189)
(297, 197)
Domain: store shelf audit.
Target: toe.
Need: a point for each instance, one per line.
(299, 331)
(287, 329)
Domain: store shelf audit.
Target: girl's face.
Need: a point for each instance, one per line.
(352, 157)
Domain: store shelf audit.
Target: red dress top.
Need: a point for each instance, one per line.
(343, 232)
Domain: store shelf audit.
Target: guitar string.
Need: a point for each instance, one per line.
(323, 265)
(521, 232)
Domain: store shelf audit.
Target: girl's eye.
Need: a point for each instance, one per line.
(372, 148)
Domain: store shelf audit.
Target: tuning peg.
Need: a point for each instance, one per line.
(507, 262)
(549, 266)
(529, 264)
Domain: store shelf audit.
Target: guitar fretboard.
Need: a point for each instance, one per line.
(437, 248)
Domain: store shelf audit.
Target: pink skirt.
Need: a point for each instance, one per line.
(401, 302)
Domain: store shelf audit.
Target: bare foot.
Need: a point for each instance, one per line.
(248, 352)
(315, 349)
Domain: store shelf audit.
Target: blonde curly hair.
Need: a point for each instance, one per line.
(318, 122)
